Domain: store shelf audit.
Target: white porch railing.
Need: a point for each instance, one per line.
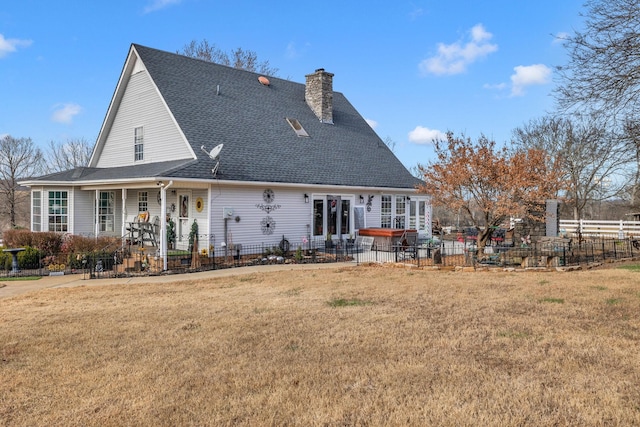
(617, 229)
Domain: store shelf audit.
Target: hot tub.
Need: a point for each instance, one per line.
(385, 237)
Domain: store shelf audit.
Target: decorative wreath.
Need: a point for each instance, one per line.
(199, 204)
(268, 196)
(268, 225)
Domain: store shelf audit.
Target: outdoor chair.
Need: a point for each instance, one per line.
(408, 245)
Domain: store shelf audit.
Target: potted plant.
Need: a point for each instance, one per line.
(328, 243)
(171, 233)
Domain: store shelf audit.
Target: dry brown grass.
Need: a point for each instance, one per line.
(362, 346)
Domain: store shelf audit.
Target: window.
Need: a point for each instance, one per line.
(416, 215)
(36, 211)
(401, 210)
(332, 215)
(106, 211)
(143, 201)
(58, 211)
(318, 217)
(385, 211)
(412, 214)
(138, 144)
(297, 127)
(345, 227)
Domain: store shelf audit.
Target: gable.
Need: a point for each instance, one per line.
(140, 106)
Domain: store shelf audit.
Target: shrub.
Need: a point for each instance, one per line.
(47, 242)
(29, 258)
(5, 260)
(16, 238)
(80, 244)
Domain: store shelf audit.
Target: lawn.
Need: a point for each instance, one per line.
(369, 346)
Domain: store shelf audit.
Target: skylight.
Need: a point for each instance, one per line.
(297, 127)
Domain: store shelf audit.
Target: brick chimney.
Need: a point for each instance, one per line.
(319, 94)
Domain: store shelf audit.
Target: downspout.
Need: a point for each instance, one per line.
(226, 247)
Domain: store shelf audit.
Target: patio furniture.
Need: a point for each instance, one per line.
(142, 231)
(408, 244)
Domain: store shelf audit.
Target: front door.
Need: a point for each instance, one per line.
(184, 214)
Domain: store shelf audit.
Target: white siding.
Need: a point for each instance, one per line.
(83, 213)
(142, 106)
(373, 218)
(289, 216)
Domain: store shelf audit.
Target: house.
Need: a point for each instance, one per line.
(251, 158)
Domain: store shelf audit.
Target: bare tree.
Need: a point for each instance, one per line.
(603, 71)
(389, 142)
(19, 158)
(590, 157)
(237, 58)
(67, 155)
(603, 74)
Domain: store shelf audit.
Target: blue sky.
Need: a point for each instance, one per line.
(414, 69)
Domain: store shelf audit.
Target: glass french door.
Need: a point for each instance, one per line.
(420, 217)
(333, 216)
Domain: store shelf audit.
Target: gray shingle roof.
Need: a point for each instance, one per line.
(259, 145)
(147, 170)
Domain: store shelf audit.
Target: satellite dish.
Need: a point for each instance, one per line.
(214, 154)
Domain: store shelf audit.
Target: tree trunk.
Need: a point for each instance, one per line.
(11, 196)
(483, 238)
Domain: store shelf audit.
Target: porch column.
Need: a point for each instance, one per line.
(97, 216)
(123, 230)
(163, 223)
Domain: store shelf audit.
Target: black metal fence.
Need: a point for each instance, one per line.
(135, 260)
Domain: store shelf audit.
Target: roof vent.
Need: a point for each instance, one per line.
(264, 80)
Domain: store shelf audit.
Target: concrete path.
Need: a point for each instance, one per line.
(19, 287)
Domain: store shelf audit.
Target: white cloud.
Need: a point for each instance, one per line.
(294, 50)
(291, 50)
(423, 135)
(456, 57)
(64, 113)
(372, 123)
(528, 75)
(160, 4)
(416, 13)
(11, 45)
(497, 86)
